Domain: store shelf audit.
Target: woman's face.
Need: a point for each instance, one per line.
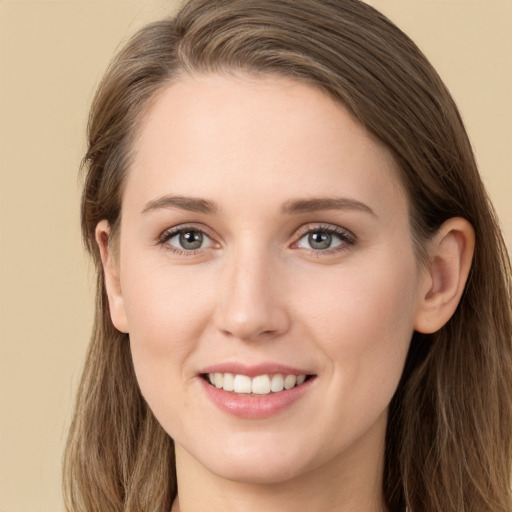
(264, 233)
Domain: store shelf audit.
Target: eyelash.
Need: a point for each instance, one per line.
(171, 233)
(346, 237)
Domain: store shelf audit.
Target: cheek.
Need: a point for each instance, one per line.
(365, 299)
(362, 319)
(167, 310)
(165, 304)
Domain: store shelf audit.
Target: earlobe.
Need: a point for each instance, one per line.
(112, 281)
(450, 255)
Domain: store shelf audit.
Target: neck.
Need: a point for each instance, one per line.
(349, 482)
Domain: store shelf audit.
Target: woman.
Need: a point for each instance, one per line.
(303, 294)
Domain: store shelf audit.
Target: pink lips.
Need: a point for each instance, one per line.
(253, 406)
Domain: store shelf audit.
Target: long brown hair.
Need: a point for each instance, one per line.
(449, 436)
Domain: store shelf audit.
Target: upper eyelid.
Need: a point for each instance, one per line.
(170, 232)
(331, 228)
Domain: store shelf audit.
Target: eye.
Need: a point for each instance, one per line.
(325, 238)
(186, 239)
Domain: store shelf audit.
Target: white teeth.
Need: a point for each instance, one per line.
(260, 385)
(277, 383)
(290, 381)
(229, 384)
(242, 384)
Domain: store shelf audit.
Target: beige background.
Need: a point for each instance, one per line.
(52, 54)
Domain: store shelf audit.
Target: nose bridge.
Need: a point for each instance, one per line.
(250, 299)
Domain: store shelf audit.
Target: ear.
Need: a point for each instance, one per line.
(450, 254)
(112, 281)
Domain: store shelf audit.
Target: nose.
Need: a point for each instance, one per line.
(251, 303)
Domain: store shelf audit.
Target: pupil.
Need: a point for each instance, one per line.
(320, 240)
(191, 240)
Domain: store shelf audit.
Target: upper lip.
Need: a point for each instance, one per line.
(268, 368)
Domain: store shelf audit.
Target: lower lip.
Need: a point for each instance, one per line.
(254, 406)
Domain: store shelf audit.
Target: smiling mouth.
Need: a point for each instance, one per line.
(259, 385)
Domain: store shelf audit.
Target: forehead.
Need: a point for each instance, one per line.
(217, 134)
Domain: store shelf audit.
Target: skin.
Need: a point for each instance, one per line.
(256, 291)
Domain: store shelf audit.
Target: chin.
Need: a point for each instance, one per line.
(258, 472)
(256, 461)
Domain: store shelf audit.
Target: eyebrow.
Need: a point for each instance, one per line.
(190, 204)
(296, 206)
(325, 203)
